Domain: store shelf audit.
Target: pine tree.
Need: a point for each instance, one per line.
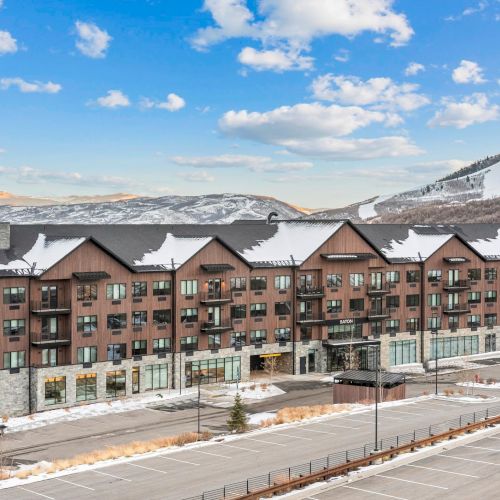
(237, 421)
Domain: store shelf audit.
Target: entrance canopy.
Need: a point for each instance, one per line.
(368, 378)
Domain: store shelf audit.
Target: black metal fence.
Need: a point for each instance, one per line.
(279, 476)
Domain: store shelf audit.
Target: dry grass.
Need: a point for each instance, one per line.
(264, 386)
(461, 392)
(114, 452)
(295, 414)
(425, 393)
(448, 392)
(5, 418)
(253, 387)
(491, 381)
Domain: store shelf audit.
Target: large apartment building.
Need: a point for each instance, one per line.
(95, 312)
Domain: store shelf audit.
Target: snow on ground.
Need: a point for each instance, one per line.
(480, 385)
(367, 210)
(258, 418)
(248, 390)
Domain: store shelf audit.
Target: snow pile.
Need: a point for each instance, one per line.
(480, 385)
(258, 418)
(415, 243)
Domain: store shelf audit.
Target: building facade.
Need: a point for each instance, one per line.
(93, 313)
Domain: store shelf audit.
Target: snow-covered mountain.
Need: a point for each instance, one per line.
(213, 208)
(478, 182)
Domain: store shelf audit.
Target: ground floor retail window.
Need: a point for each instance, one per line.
(351, 357)
(213, 370)
(402, 352)
(116, 383)
(86, 387)
(345, 332)
(55, 390)
(490, 342)
(156, 377)
(449, 347)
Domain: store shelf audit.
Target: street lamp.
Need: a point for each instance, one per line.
(377, 383)
(434, 331)
(200, 376)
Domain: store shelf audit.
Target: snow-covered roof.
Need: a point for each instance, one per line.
(292, 239)
(489, 248)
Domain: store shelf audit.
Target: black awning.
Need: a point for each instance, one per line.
(92, 276)
(456, 260)
(347, 256)
(368, 377)
(217, 268)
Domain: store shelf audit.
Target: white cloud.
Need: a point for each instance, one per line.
(469, 11)
(471, 110)
(30, 87)
(113, 99)
(380, 93)
(172, 103)
(468, 72)
(92, 41)
(414, 68)
(200, 176)
(275, 60)
(342, 55)
(8, 44)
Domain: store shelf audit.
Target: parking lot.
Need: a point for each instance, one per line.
(187, 472)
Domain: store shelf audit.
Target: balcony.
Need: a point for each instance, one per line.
(310, 292)
(456, 285)
(215, 298)
(311, 318)
(216, 327)
(378, 289)
(50, 307)
(456, 308)
(379, 313)
(48, 340)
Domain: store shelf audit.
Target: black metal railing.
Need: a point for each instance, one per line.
(50, 339)
(216, 326)
(456, 285)
(456, 308)
(379, 312)
(50, 306)
(311, 291)
(315, 317)
(215, 297)
(378, 289)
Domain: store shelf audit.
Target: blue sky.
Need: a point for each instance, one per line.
(317, 102)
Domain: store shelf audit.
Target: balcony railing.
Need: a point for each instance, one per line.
(456, 308)
(379, 313)
(379, 289)
(50, 339)
(456, 285)
(213, 326)
(212, 298)
(311, 318)
(311, 292)
(50, 307)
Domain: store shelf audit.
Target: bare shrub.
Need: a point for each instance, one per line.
(253, 387)
(425, 393)
(264, 386)
(5, 418)
(448, 392)
(491, 381)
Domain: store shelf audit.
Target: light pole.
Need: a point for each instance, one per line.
(435, 332)
(200, 376)
(377, 383)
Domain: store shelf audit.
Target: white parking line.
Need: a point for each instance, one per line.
(402, 412)
(339, 426)
(481, 448)
(266, 442)
(144, 467)
(208, 453)
(493, 437)
(319, 432)
(439, 403)
(469, 460)
(112, 475)
(374, 492)
(177, 460)
(239, 447)
(358, 420)
(442, 470)
(291, 436)
(74, 484)
(35, 493)
(413, 482)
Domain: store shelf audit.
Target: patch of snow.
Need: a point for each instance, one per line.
(367, 210)
(487, 246)
(258, 392)
(479, 385)
(415, 243)
(257, 418)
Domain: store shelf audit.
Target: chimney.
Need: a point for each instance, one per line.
(4, 235)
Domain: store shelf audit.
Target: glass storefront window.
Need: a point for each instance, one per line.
(213, 370)
(116, 383)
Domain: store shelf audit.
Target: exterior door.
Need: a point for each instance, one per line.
(305, 281)
(311, 361)
(376, 281)
(452, 300)
(214, 288)
(49, 297)
(303, 365)
(49, 327)
(214, 315)
(452, 276)
(305, 309)
(376, 305)
(135, 380)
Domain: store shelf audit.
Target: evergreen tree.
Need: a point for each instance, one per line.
(237, 421)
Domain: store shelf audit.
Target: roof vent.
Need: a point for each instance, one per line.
(271, 216)
(4, 235)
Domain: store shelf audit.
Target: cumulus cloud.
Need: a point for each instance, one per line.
(471, 110)
(113, 99)
(275, 60)
(414, 68)
(200, 176)
(30, 87)
(172, 103)
(92, 41)
(468, 72)
(8, 44)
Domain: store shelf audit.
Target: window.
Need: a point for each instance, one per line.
(117, 352)
(282, 282)
(13, 359)
(334, 280)
(345, 332)
(210, 371)
(305, 333)
(413, 276)
(258, 336)
(49, 326)
(116, 291)
(356, 304)
(258, 310)
(490, 320)
(161, 345)
(117, 321)
(474, 274)
(139, 289)
(86, 386)
(412, 324)
(258, 283)
(162, 317)
(239, 311)
(356, 279)
(156, 377)
(448, 347)
(14, 295)
(189, 315)
(376, 327)
(49, 357)
(161, 287)
(402, 352)
(55, 390)
(189, 343)
(238, 339)
(490, 273)
(453, 321)
(139, 347)
(238, 284)
(13, 327)
(282, 334)
(490, 342)
(189, 287)
(490, 296)
(434, 276)
(282, 308)
(474, 297)
(116, 383)
(86, 323)
(434, 299)
(434, 323)
(392, 301)
(86, 292)
(412, 300)
(392, 326)
(392, 276)
(333, 306)
(473, 320)
(86, 354)
(214, 341)
(139, 318)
